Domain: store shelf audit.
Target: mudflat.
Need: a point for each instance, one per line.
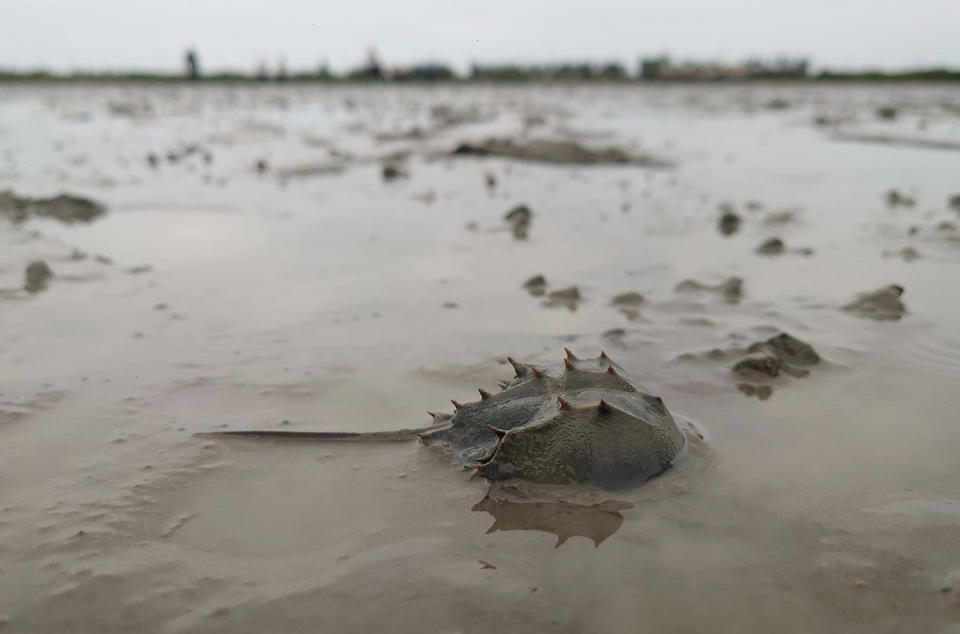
(187, 259)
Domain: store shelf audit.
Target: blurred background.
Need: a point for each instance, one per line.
(332, 216)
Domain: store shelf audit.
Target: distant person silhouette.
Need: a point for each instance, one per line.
(193, 66)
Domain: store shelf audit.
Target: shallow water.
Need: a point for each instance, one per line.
(318, 303)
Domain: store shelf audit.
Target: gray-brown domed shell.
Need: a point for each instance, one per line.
(582, 421)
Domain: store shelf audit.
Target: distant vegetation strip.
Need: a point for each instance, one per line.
(506, 74)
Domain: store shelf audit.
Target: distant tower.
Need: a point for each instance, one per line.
(192, 65)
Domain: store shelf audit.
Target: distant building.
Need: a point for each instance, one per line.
(550, 72)
(781, 68)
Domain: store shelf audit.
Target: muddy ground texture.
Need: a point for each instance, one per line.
(776, 262)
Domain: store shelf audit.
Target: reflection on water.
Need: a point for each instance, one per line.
(563, 519)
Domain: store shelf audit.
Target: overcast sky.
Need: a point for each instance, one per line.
(238, 34)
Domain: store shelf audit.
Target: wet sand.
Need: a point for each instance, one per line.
(223, 293)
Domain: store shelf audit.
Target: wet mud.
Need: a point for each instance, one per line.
(257, 271)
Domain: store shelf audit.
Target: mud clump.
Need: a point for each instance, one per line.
(628, 304)
(36, 276)
(887, 113)
(781, 353)
(897, 199)
(773, 246)
(519, 219)
(391, 172)
(731, 288)
(554, 152)
(309, 170)
(780, 217)
(729, 223)
(446, 116)
(568, 297)
(762, 392)
(907, 254)
(631, 299)
(65, 208)
(536, 285)
(883, 304)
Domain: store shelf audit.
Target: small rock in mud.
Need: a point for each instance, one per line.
(778, 353)
(773, 246)
(615, 336)
(519, 220)
(491, 181)
(731, 288)
(447, 116)
(153, 160)
(36, 276)
(954, 202)
(882, 304)
(536, 285)
(65, 208)
(907, 254)
(570, 292)
(789, 349)
(261, 166)
(392, 172)
(896, 199)
(946, 226)
(567, 297)
(411, 134)
(887, 113)
(631, 299)
(729, 223)
(309, 170)
(780, 217)
(553, 152)
(629, 304)
(762, 392)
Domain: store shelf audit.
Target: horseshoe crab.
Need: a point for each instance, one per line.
(582, 421)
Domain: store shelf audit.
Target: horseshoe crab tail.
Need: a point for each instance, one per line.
(397, 435)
